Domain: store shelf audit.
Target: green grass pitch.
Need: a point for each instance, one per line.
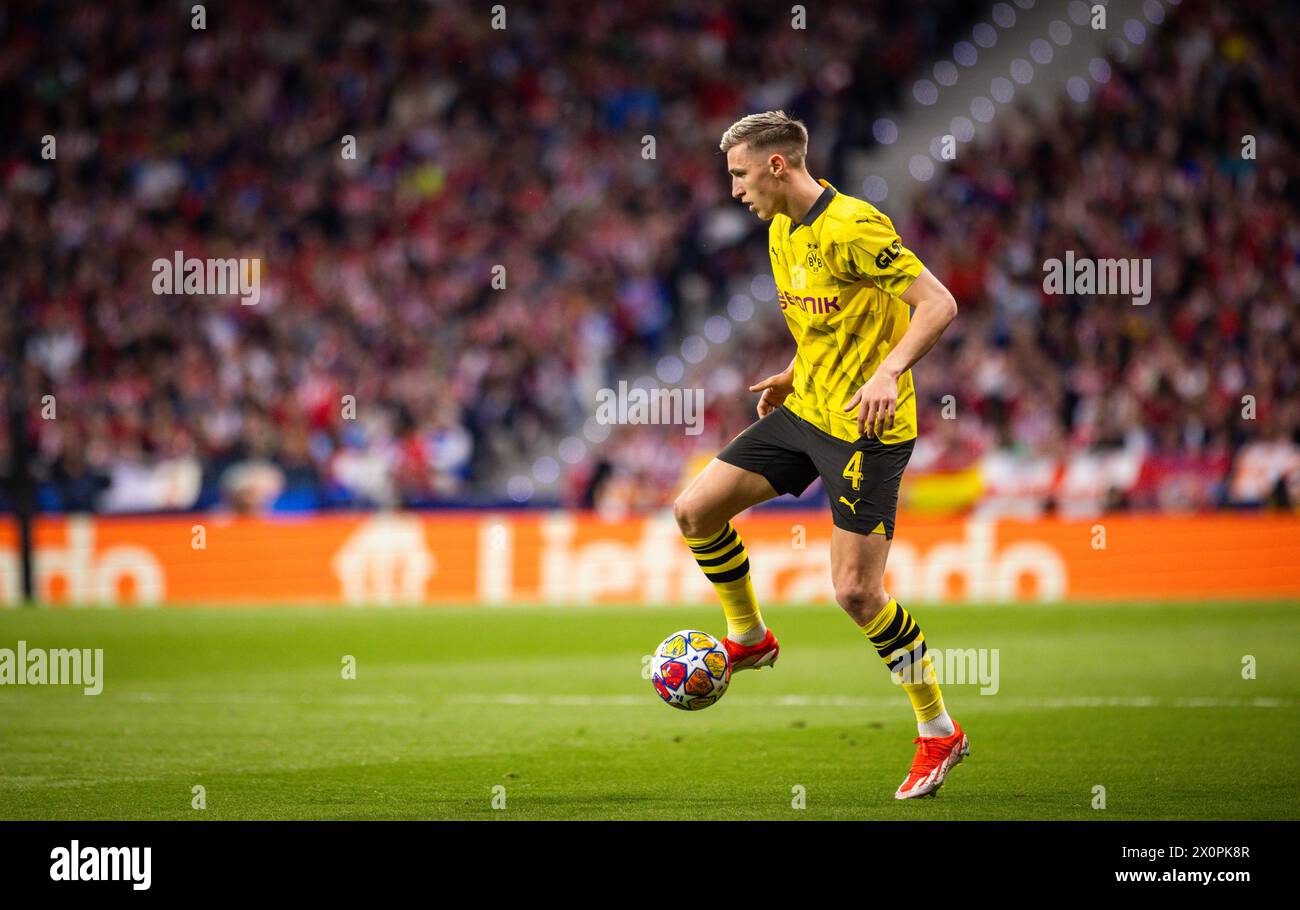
(1147, 701)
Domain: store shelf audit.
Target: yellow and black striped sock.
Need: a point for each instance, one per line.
(899, 641)
(724, 561)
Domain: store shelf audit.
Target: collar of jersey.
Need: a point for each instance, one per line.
(817, 207)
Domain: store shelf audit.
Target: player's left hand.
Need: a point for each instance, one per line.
(876, 402)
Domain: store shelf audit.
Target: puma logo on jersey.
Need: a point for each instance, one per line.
(853, 506)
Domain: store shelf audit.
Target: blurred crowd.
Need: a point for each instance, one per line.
(466, 220)
(537, 211)
(1078, 404)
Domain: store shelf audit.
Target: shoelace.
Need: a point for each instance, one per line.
(928, 755)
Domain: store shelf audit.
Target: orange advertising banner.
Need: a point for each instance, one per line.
(561, 558)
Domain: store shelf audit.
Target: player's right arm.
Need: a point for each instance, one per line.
(775, 389)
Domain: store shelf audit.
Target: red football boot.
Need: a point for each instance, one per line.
(935, 757)
(752, 657)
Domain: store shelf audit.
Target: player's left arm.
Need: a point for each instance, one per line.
(933, 307)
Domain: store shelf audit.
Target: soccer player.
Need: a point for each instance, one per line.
(844, 410)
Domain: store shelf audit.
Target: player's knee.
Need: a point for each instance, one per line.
(861, 601)
(691, 518)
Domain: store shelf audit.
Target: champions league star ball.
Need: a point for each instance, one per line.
(691, 670)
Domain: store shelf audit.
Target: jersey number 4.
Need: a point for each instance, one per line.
(853, 470)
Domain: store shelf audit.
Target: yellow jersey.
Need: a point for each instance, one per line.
(839, 274)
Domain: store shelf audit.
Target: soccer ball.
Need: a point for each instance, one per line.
(691, 670)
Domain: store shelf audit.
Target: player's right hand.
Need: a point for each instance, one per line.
(775, 390)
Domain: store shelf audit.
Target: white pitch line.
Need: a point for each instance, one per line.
(253, 698)
(995, 702)
(853, 701)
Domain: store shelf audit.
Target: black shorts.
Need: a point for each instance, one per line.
(861, 478)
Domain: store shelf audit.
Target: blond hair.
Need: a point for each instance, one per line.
(775, 130)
